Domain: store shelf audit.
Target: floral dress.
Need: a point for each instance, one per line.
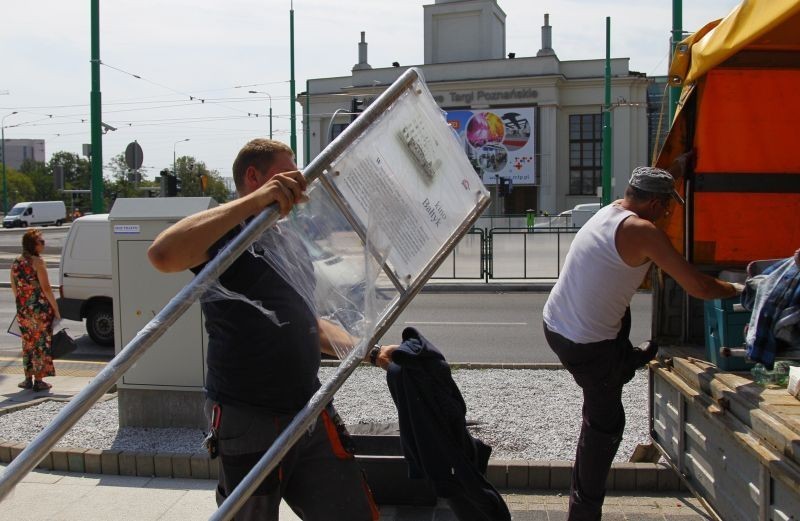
(35, 317)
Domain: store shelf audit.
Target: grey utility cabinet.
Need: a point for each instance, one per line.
(165, 387)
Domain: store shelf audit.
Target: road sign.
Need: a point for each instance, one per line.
(134, 156)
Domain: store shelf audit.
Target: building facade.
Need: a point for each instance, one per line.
(533, 122)
(20, 150)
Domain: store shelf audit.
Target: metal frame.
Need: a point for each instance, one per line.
(83, 401)
(309, 413)
(525, 232)
(303, 420)
(481, 259)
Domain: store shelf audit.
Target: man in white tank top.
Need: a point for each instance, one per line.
(587, 318)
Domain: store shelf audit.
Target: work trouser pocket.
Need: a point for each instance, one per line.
(340, 440)
(243, 437)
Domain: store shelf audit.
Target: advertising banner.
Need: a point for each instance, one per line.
(498, 142)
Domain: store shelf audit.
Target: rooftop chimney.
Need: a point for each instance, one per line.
(547, 39)
(362, 64)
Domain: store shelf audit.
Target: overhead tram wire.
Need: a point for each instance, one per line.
(190, 96)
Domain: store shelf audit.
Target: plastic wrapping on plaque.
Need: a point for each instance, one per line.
(409, 172)
(318, 253)
(391, 202)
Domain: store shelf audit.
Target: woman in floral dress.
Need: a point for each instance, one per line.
(36, 310)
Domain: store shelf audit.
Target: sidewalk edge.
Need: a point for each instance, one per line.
(503, 474)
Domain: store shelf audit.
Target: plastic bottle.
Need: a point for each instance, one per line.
(781, 373)
(760, 374)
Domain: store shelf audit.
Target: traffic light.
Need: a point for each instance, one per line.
(170, 184)
(203, 183)
(355, 108)
(504, 186)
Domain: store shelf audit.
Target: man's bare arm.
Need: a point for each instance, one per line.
(331, 335)
(652, 243)
(185, 244)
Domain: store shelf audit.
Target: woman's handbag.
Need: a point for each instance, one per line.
(62, 345)
(13, 328)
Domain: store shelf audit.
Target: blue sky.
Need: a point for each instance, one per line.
(217, 51)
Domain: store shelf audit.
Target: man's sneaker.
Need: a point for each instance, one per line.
(645, 352)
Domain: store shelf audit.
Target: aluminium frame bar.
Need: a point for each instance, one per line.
(150, 333)
(347, 211)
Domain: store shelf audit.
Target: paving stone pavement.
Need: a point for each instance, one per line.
(61, 496)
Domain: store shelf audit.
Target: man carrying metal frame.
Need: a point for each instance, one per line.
(262, 370)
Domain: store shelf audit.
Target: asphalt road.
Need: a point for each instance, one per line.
(494, 327)
(467, 327)
(11, 239)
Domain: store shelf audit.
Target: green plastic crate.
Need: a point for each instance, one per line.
(725, 328)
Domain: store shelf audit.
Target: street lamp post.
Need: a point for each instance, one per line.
(270, 108)
(174, 170)
(3, 150)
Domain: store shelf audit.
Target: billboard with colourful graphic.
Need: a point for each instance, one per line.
(498, 142)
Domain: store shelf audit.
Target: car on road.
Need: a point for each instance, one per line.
(572, 218)
(85, 285)
(36, 213)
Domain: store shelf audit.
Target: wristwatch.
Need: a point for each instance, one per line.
(373, 354)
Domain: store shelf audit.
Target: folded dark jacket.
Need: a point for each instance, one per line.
(433, 430)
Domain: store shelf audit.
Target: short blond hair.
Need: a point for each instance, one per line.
(259, 153)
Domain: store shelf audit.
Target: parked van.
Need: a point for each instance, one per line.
(85, 284)
(36, 213)
(583, 212)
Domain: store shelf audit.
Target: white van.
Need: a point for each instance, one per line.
(85, 284)
(583, 212)
(36, 213)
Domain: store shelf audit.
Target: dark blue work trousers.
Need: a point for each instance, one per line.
(600, 369)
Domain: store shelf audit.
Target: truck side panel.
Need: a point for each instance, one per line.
(733, 469)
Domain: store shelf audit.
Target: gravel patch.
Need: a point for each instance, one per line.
(522, 414)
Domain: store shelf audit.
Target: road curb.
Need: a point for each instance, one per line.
(471, 287)
(489, 287)
(551, 366)
(503, 474)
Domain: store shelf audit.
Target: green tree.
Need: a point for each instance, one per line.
(42, 178)
(122, 182)
(77, 170)
(20, 187)
(189, 171)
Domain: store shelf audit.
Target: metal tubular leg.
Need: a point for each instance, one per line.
(84, 400)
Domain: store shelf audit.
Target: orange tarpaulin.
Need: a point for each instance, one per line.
(739, 112)
(735, 228)
(747, 121)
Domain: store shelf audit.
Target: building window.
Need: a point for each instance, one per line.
(585, 153)
(337, 128)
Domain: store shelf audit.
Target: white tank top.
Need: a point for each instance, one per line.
(589, 299)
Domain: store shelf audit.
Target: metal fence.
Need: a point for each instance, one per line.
(537, 252)
(487, 222)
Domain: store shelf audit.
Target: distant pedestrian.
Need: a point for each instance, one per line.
(531, 219)
(587, 319)
(36, 311)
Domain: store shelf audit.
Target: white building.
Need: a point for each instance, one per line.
(535, 119)
(20, 150)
